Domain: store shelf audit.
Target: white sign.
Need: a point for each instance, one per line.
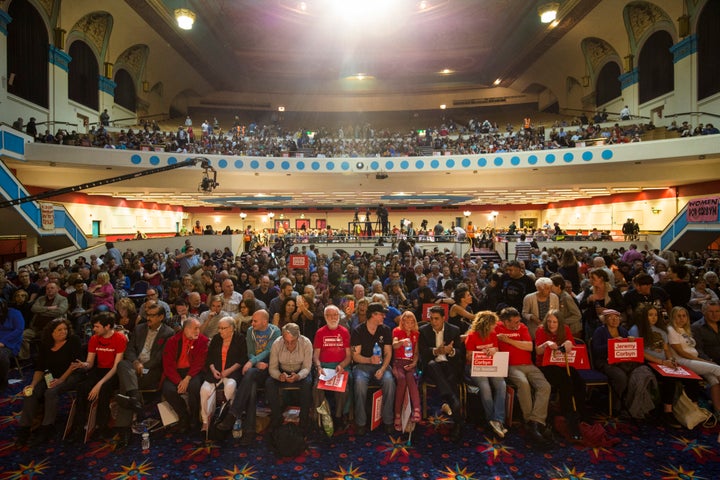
(489, 366)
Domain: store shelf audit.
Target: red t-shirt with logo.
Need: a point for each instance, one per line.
(105, 349)
(517, 356)
(332, 343)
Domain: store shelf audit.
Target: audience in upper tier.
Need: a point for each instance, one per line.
(341, 323)
(448, 136)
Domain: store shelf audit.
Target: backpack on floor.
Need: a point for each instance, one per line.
(287, 440)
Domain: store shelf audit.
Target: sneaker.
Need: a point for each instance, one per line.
(497, 428)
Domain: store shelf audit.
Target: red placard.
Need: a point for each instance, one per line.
(338, 383)
(625, 350)
(577, 358)
(428, 306)
(299, 261)
(677, 372)
(376, 417)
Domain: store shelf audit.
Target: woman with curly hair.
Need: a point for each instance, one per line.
(59, 349)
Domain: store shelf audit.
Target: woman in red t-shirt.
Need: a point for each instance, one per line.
(482, 338)
(405, 359)
(554, 334)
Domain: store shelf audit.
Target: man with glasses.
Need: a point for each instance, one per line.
(152, 297)
(290, 366)
(371, 367)
(141, 369)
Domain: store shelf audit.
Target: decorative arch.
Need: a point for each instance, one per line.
(607, 84)
(134, 60)
(94, 29)
(27, 53)
(643, 19)
(83, 75)
(656, 69)
(125, 90)
(708, 38)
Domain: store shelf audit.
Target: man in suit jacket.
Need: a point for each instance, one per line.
(441, 351)
(142, 368)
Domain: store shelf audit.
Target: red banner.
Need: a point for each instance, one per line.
(703, 210)
(577, 358)
(676, 372)
(625, 350)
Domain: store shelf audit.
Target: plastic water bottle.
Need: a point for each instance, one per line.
(145, 441)
(237, 429)
(376, 350)
(408, 350)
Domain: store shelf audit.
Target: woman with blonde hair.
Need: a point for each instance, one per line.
(681, 340)
(103, 293)
(127, 314)
(482, 338)
(405, 359)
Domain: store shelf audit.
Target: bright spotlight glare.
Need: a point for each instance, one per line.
(360, 11)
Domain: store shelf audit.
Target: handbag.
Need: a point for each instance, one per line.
(690, 415)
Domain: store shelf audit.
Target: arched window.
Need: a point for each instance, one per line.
(656, 71)
(708, 39)
(27, 54)
(607, 86)
(83, 76)
(125, 90)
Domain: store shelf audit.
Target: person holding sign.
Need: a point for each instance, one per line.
(630, 380)
(533, 390)
(331, 350)
(650, 326)
(681, 339)
(405, 341)
(554, 335)
(482, 338)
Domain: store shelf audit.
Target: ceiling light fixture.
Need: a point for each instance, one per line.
(548, 11)
(184, 18)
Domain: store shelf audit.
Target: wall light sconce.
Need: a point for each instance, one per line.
(585, 81)
(467, 213)
(655, 210)
(271, 215)
(243, 215)
(548, 11)
(184, 18)
(146, 86)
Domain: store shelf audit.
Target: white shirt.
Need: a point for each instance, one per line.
(440, 342)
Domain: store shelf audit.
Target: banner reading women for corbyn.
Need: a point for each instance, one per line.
(703, 210)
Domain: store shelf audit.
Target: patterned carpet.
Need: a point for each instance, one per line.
(643, 452)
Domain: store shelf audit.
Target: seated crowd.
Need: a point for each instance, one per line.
(203, 328)
(448, 136)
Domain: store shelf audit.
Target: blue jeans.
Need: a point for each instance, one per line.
(492, 395)
(363, 374)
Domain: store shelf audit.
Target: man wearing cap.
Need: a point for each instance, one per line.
(373, 368)
(441, 353)
(290, 367)
(533, 390)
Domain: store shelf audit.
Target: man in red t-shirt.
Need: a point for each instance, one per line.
(514, 337)
(105, 351)
(331, 349)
